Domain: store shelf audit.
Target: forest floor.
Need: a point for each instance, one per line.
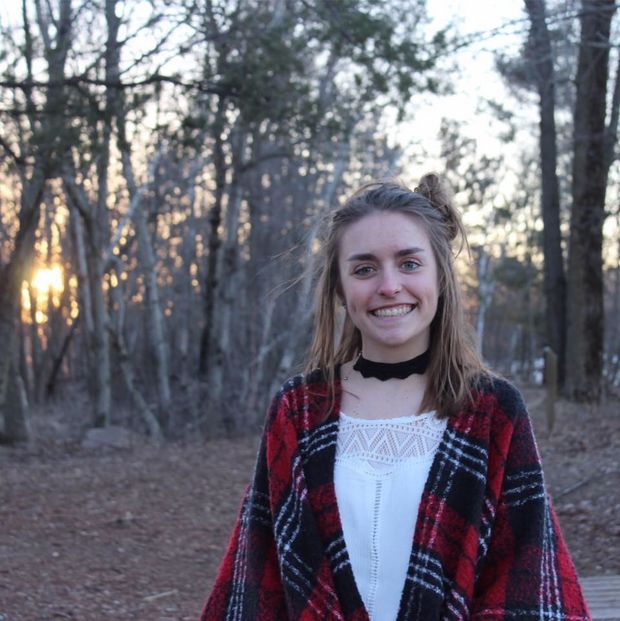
(138, 533)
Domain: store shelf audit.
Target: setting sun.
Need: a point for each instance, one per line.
(48, 280)
(46, 285)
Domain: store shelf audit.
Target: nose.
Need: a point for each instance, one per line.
(390, 283)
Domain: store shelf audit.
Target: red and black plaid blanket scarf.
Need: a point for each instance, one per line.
(486, 545)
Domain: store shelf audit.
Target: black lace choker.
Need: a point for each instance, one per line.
(388, 370)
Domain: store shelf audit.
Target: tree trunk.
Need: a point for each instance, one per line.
(100, 342)
(95, 221)
(612, 129)
(214, 244)
(126, 367)
(146, 259)
(13, 406)
(36, 351)
(184, 310)
(612, 338)
(585, 260)
(58, 358)
(146, 255)
(44, 147)
(155, 316)
(486, 289)
(16, 422)
(229, 292)
(81, 268)
(554, 277)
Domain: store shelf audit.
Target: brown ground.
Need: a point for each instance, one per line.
(137, 534)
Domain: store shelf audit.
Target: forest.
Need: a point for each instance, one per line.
(167, 166)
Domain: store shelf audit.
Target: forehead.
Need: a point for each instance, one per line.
(381, 232)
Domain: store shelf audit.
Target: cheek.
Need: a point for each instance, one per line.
(435, 296)
(349, 300)
(352, 307)
(433, 288)
(435, 306)
(354, 303)
(355, 294)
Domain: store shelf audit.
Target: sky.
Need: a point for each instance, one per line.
(501, 25)
(477, 78)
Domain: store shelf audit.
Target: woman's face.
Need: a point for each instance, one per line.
(388, 275)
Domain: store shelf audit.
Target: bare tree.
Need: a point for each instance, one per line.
(183, 194)
(154, 313)
(541, 60)
(590, 169)
(44, 143)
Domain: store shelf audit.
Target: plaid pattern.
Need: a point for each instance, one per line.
(486, 545)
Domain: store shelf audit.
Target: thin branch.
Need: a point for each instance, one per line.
(57, 361)
(77, 197)
(43, 26)
(263, 158)
(135, 204)
(156, 78)
(14, 156)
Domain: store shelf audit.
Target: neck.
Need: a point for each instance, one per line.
(392, 370)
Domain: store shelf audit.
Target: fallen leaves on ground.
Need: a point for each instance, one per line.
(138, 533)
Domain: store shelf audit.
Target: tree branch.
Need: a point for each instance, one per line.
(7, 147)
(156, 78)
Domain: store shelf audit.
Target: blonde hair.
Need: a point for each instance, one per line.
(455, 364)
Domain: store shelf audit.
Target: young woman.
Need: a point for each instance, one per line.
(398, 479)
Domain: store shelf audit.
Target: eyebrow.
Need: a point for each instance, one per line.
(368, 256)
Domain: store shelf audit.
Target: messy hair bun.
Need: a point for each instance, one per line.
(439, 194)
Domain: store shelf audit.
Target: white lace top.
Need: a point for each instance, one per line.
(380, 472)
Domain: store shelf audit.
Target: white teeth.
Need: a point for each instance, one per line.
(394, 311)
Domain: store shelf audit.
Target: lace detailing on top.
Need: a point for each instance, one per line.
(379, 477)
(378, 447)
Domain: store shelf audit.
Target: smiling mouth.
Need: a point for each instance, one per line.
(393, 311)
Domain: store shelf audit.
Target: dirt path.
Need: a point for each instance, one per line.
(130, 535)
(138, 534)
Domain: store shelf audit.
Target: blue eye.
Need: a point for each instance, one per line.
(363, 270)
(410, 265)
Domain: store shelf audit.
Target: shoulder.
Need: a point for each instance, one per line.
(495, 408)
(302, 383)
(289, 385)
(500, 408)
(499, 392)
(304, 397)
